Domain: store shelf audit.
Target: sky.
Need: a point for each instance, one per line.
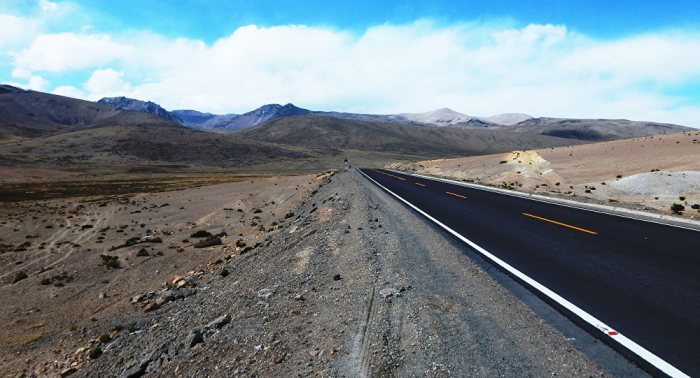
(637, 60)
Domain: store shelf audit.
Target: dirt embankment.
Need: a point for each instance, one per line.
(345, 282)
(651, 173)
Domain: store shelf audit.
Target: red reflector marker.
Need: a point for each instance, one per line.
(612, 333)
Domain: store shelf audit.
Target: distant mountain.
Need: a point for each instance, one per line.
(203, 121)
(594, 130)
(507, 118)
(323, 132)
(67, 133)
(260, 115)
(31, 114)
(439, 117)
(141, 106)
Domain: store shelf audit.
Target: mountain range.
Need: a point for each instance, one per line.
(578, 129)
(207, 121)
(50, 131)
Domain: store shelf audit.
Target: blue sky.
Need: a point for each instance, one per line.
(593, 59)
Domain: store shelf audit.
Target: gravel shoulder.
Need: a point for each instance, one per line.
(353, 284)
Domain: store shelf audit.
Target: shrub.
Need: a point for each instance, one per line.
(696, 206)
(46, 281)
(502, 162)
(86, 226)
(200, 234)
(104, 338)
(117, 328)
(207, 243)
(240, 243)
(94, 353)
(257, 211)
(110, 261)
(224, 272)
(677, 208)
(681, 198)
(619, 176)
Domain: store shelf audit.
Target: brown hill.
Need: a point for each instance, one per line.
(29, 113)
(618, 172)
(108, 147)
(594, 130)
(314, 131)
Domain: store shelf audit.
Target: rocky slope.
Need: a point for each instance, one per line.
(315, 131)
(259, 115)
(597, 130)
(141, 106)
(203, 121)
(30, 114)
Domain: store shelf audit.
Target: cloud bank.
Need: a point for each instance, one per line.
(478, 68)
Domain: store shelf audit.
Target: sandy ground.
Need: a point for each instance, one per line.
(16, 175)
(340, 281)
(64, 240)
(650, 173)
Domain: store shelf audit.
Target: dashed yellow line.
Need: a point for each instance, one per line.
(420, 184)
(456, 195)
(384, 173)
(561, 224)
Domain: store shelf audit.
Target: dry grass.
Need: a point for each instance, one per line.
(109, 186)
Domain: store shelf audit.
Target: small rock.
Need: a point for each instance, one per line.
(299, 297)
(67, 372)
(19, 276)
(151, 307)
(134, 372)
(336, 277)
(219, 322)
(165, 298)
(195, 337)
(142, 252)
(183, 293)
(102, 295)
(264, 293)
(388, 292)
(137, 298)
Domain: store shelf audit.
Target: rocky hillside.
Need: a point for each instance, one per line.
(125, 147)
(315, 131)
(138, 105)
(29, 114)
(203, 121)
(260, 115)
(594, 130)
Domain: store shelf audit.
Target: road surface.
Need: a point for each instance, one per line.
(637, 280)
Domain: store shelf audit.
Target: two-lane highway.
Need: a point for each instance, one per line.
(640, 280)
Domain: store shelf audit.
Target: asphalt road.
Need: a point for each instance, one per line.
(640, 278)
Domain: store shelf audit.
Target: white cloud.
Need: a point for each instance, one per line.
(15, 32)
(476, 68)
(69, 91)
(48, 6)
(106, 83)
(69, 51)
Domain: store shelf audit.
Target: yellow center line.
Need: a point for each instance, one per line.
(420, 184)
(456, 195)
(384, 173)
(561, 224)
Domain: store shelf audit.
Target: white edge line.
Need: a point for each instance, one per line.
(590, 319)
(553, 201)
